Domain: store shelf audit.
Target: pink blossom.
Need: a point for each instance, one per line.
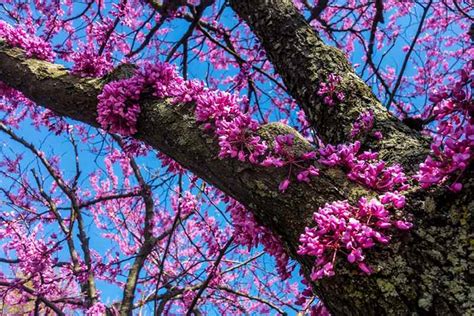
(328, 90)
(98, 309)
(363, 124)
(87, 63)
(341, 227)
(33, 45)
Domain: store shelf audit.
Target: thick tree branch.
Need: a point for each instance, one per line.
(410, 279)
(172, 129)
(417, 273)
(304, 61)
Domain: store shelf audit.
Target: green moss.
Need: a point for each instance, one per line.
(426, 301)
(387, 287)
(262, 189)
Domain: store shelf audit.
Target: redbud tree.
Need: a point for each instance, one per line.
(207, 157)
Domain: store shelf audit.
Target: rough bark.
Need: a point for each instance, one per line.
(418, 273)
(173, 130)
(303, 61)
(424, 271)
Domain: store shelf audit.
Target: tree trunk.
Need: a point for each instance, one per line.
(424, 271)
(428, 271)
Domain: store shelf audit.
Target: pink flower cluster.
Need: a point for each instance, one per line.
(247, 232)
(33, 45)
(364, 124)
(36, 262)
(365, 167)
(118, 107)
(453, 140)
(350, 230)
(97, 309)
(87, 63)
(185, 202)
(218, 111)
(284, 155)
(341, 227)
(328, 90)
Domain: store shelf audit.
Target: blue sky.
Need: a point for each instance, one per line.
(50, 143)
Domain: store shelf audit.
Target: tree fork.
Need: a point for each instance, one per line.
(303, 61)
(418, 273)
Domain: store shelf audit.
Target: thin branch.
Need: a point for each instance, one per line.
(407, 56)
(210, 276)
(30, 291)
